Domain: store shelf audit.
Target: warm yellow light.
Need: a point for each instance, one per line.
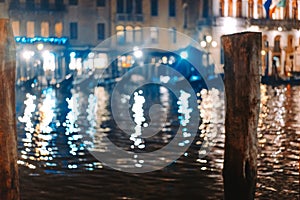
(263, 52)
(208, 38)
(203, 44)
(214, 44)
(164, 60)
(40, 46)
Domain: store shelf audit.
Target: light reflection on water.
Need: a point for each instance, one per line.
(55, 130)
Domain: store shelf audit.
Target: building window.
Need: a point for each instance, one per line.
(73, 2)
(73, 30)
(44, 4)
(58, 3)
(58, 29)
(129, 6)
(101, 31)
(101, 3)
(30, 4)
(45, 29)
(129, 34)
(173, 35)
(120, 34)
(172, 8)
(139, 6)
(154, 7)
(137, 34)
(30, 29)
(205, 9)
(120, 6)
(154, 34)
(16, 28)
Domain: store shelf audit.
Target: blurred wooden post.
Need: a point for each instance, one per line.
(242, 52)
(9, 179)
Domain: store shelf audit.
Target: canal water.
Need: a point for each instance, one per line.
(58, 127)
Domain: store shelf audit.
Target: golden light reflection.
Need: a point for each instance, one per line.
(139, 119)
(212, 129)
(38, 137)
(185, 114)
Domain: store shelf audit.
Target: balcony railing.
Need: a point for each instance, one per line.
(37, 7)
(287, 24)
(129, 17)
(205, 22)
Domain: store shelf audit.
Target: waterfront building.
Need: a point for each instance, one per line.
(277, 20)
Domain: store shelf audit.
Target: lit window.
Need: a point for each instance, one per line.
(45, 29)
(154, 34)
(138, 34)
(129, 34)
(58, 29)
(30, 29)
(173, 35)
(125, 61)
(16, 28)
(120, 34)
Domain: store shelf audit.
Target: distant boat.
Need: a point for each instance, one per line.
(66, 83)
(274, 81)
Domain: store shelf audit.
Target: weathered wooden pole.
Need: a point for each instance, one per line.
(242, 52)
(9, 179)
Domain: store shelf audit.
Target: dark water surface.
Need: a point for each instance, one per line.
(56, 129)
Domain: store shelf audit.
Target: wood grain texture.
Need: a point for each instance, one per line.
(242, 87)
(9, 180)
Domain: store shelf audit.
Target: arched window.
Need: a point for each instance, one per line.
(276, 55)
(138, 34)
(30, 28)
(45, 29)
(120, 34)
(129, 34)
(250, 8)
(295, 9)
(173, 35)
(16, 28)
(289, 57)
(154, 34)
(277, 48)
(239, 8)
(58, 29)
(230, 8)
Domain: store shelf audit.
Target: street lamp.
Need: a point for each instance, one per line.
(206, 44)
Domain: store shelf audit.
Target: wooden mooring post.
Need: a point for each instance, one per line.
(9, 179)
(242, 53)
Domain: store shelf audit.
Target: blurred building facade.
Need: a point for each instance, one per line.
(278, 20)
(85, 24)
